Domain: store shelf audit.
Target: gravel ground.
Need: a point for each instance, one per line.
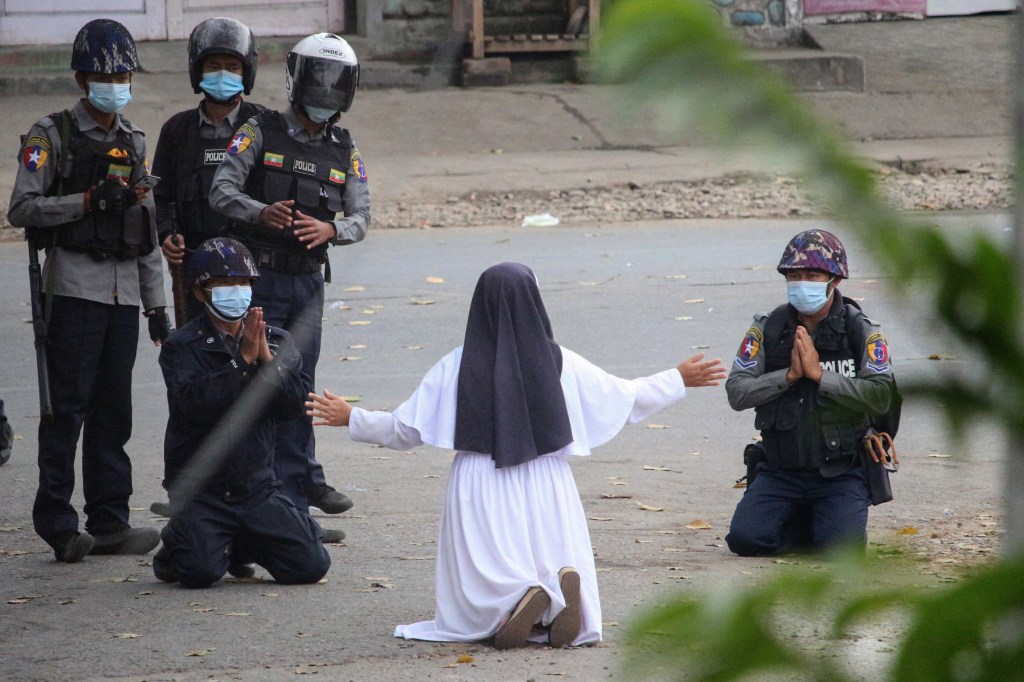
(911, 187)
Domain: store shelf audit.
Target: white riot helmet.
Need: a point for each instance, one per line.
(322, 74)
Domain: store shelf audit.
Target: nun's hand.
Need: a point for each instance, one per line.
(697, 372)
(328, 409)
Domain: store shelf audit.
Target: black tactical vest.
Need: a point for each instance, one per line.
(88, 161)
(195, 166)
(802, 430)
(314, 177)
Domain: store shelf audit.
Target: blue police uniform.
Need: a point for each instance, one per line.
(238, 513)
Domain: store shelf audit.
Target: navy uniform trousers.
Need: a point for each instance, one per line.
(90, 355)
(787, 510)
(295, 303)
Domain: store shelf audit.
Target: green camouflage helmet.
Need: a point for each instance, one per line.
(815, 250)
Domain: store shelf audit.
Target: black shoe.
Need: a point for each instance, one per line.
(6, 440)
(71, 546)
(161, 509)
(126, 540)
(163, 569)
(332, 535)
(328, 500)
(242, 570)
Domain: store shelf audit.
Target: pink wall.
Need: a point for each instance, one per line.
(812, 7)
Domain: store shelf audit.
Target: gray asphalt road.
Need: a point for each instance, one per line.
(635, 299)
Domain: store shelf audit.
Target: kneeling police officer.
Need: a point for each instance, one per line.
(231, 379)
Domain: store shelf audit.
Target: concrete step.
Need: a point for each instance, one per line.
(34, 70)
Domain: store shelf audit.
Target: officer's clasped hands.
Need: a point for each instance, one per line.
(804, 362)
(109, 196)
(312, 232)
(277, 215)
(253, 345)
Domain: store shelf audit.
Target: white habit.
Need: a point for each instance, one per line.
(506, 530)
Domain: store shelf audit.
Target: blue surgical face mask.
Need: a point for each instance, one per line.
(807, 297)
(110, 97)
(221, 86)
(229, 303)
(319, 114)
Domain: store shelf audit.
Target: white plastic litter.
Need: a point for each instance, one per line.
(542, 220)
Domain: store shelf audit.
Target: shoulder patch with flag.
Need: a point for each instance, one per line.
(878, 354)
(337, 177)
(116, 171)
(746, 357)
(273, 160)
(358, 167)
(242, 139)
(36, 152)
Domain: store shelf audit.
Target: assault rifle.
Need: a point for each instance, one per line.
(35, 280)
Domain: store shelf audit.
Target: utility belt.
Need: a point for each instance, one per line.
(288, 262)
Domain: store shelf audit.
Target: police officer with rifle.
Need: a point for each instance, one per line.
(75, 194)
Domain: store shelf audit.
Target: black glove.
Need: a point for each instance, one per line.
(159, 324)
(107, 196)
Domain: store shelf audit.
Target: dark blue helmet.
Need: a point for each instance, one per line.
(104, 46)
(221, 257)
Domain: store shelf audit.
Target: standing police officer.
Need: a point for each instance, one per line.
(285, 178)
(73, 193)
(815, 371)
(222, 62)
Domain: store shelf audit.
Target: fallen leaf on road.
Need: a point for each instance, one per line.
(380, 457)
(415, 558)
(676, 276)
(432, 476)
(435, 280)
(648, 467)
(698, 524)
(673, 550)
(617, 483)
(20, 600)
(422, 301)
(647, 507)
(349, 358)
(683, 318)
(357, 346)
(414, 347)
(938, 456)
(147, 593)
(600, 518)
(359, 323)
(202, 652)
(65, 602)
(613, 496)
(642, 542)
(658, 426)
(125, 579)
(271, 594)
(907, 530)
(352, 398)
(304, 634)
(204, 609)
(127, 635)
(236, 613)
(306, 671)
(700, 346)
(786, 561)
(355, 288)
(464, 658)
(694, 300)
(369, 311)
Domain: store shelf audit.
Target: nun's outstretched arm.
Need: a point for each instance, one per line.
(382, 428)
